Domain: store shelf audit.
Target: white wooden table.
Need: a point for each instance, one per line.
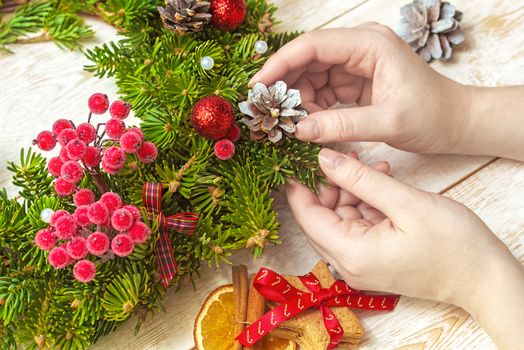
(41, 83)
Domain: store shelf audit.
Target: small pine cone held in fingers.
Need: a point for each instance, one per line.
(272, 112)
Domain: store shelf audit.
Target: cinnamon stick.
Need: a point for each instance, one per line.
(256, 307)
(240, 290)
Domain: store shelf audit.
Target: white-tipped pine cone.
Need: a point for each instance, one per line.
(431, 28)
(272, 112)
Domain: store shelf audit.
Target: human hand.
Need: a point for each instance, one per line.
(383, 235)
(400, 99)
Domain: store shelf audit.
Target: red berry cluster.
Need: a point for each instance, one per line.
(83, 149)
(94, 228)
(225, 148)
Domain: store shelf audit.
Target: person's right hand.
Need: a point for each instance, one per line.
(401, 100)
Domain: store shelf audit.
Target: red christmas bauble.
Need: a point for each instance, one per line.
(227, 15)
(213, 116)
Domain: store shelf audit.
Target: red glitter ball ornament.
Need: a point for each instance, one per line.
(213, 116)
(227, 15)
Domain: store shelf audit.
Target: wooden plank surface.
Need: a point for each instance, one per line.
(41, 83)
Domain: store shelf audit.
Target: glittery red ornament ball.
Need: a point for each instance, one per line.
(213, 116)
(227, 15)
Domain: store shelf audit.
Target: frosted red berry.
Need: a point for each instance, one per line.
(138, 232)
(234, 133)
(122, 220)
(66, 135)
(45, 140)
(57, 215)
(84, 271)
(80, 216)
(54, 166)
(86, 132)
(138, 131)
(76, 149)
(83, 197)
(147, 153)
(63, 155)
(97, 243)
(114, 157)
(71, 172)
(122, 245)
(58, 258)
(119, 109)
(45, 239)
(98, 213)
(130, 142)
(65, 227)
(224, 149)
(109, 170)
(98, 103)
(111, 200)
(77, 248)
(115, 128)
(61, 124)
(92, 157)
(63, 187)
(134, 211)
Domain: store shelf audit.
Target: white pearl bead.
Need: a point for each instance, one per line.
(45, 215)
(207, 63)
(261, 47)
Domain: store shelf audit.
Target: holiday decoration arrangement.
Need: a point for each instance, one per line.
(312, 311)
(109, 215)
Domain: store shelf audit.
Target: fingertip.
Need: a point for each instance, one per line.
(382, 166)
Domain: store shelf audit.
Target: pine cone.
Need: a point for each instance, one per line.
(431, 28)
(272, 112)
(185, 16)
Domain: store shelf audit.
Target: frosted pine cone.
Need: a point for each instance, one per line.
(431, 28)
(272, 112)
(185, 16)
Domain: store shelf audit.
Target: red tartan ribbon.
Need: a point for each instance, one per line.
(180, 222)
(293, 301)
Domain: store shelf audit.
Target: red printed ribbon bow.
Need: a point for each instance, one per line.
(276, 288)
(181, 222)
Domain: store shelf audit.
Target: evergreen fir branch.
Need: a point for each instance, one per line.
(106, 58)
(123, 295)
(123, 14)
(160, 127)
(31, 175)
(66, 29)
(249, 203)
(26, 19)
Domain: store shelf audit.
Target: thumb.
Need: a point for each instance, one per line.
(379, 190)
(368, 123)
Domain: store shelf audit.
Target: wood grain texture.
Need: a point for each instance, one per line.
(41, 83)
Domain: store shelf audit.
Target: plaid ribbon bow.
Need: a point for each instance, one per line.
(180, 222)
(293, 301)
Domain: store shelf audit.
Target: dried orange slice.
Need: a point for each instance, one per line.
(214, 325)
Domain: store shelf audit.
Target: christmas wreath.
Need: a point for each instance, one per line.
(99, 231)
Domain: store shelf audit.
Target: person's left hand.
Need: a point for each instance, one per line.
(383, 235)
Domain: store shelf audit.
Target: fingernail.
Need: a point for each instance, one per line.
(253, 80)
(330, 159)
(308, 130)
